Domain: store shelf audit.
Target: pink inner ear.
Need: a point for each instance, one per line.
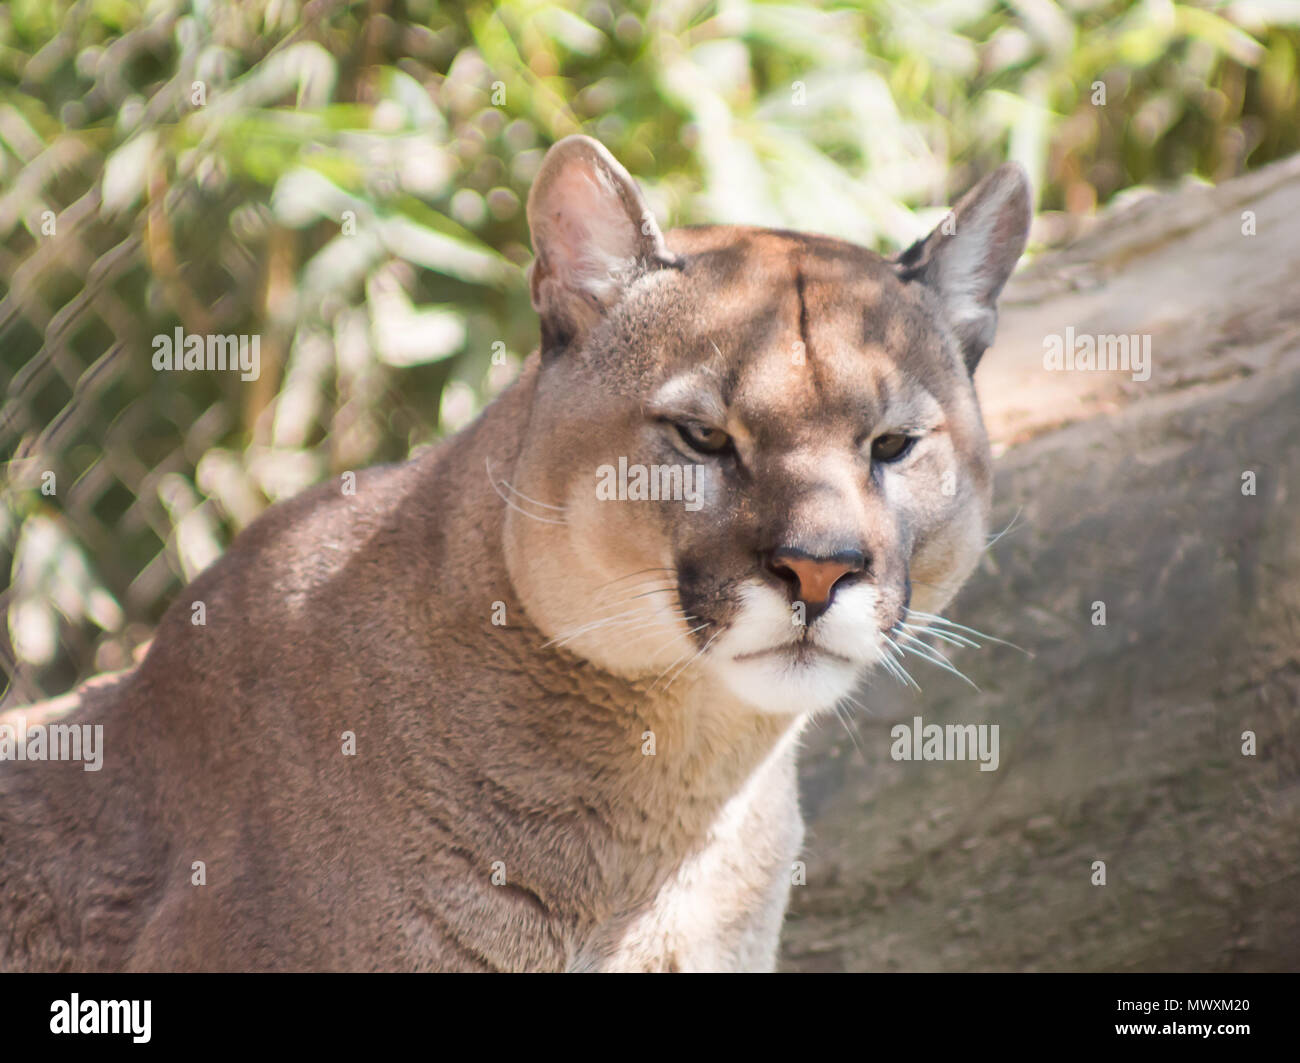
(591, 232)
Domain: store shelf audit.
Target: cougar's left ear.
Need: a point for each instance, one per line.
(969, 257)
(592, 236)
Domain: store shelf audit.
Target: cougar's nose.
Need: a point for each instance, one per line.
(813, 579)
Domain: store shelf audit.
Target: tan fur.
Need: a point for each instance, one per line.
(481, 748)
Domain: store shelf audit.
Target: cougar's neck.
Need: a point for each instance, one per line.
(706, 747)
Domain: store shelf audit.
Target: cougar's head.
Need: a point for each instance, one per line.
(749, 450)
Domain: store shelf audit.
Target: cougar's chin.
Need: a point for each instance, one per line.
(778, 666)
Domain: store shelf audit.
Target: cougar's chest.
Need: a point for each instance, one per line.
(719, 907)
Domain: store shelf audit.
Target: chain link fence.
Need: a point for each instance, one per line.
(121, 481)
(344, 183)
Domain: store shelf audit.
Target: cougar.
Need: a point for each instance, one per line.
(531, 701)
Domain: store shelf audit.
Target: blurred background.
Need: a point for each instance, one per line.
(347, 181)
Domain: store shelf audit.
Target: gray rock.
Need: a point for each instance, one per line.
(1119, 743)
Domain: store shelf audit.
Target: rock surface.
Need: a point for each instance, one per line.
(1121, 742)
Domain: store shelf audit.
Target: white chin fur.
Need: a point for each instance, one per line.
(780, 684)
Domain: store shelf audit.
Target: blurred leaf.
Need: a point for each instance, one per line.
(126, 173)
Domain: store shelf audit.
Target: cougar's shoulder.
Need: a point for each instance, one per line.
(80, 865)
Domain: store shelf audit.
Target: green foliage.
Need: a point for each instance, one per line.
(348, 181)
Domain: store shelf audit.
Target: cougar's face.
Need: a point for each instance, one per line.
(744, 463)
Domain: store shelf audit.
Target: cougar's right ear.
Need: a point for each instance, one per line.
(593, 235)
(968, 258)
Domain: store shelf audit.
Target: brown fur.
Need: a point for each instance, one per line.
(478, 743)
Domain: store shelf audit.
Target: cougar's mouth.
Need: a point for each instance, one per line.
(801, 652)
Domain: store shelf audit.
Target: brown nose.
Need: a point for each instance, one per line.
(814, 578)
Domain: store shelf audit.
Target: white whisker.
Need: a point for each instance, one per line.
(929, 653)
(1011, 524)
(511, 502)
(680, 656)
(933, 618)
(896, 668)
(952, 638)
(683, 668)
(592, 625)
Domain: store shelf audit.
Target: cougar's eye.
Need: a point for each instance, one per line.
(891, 446)
(705, 440)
